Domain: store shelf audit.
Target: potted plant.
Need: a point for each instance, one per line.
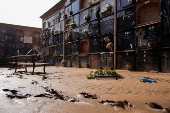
(55, 53)
(65, 16)
(71, 12)
(96, 11)
(43, 34)
(84, 31)
(43, 43)
(69, 35)
(86, 17)
(109, 46)
(106, 10)
(47, 32)
(56, 32)
(72, 25)
(128, 67)
(107, 73)
(63, 63)
(57, 19)
(106, 39)
(52, 32)
(89, 3)
(48, 54)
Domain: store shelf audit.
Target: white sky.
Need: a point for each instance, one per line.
(24, 12)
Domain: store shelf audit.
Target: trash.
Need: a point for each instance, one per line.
(155, 105)
(54, 94)
(15, 95)
(147, 80)
(88, 95)
(44, 77)
(34, 82)
(123, 104)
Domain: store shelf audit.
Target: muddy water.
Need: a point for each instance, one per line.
(72, 81)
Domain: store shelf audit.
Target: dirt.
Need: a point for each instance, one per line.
(73, 81)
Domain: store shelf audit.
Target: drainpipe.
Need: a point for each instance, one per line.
(64, 37)
(115, 24)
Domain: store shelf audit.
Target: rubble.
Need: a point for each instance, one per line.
(123, 104)
(54, 94)
(88, 95)
(14, 94)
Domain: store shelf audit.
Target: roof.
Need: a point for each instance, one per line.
(20, 26)
(54, 9)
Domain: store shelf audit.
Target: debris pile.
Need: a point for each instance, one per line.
(54, 94)
(44, 77)
(13, 94)
(88, 95)
(123, 104)
(156, 106)
(34, 82)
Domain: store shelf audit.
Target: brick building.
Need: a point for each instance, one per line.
(87, 27)
(15, 39)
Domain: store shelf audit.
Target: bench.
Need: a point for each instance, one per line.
(27, 60)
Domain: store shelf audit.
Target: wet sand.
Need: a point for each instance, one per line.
(72, 81)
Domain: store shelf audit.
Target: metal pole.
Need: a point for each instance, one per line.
(64, 37)
(115, 24)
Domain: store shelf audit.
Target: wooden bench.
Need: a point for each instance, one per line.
(27, 60)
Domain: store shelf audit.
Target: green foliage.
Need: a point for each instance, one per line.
(90, 76)
(55, 53)
(128, 66)
(47, 32)
(105, 72)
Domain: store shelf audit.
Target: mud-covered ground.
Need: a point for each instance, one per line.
(58, 91)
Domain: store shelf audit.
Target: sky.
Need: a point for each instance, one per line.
(24, 12)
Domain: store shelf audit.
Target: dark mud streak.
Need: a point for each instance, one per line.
(88, 95)
(123, 104)
(155, 105)
(14, 94)
(54, 94)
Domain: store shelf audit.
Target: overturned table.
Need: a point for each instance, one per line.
(27, 60)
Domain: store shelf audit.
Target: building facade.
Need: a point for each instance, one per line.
(15, 39)
(87, 27)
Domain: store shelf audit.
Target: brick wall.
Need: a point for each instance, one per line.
(25, 29)
(83, 4)
(147, 12)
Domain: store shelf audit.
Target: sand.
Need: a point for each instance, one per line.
(72, 81)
